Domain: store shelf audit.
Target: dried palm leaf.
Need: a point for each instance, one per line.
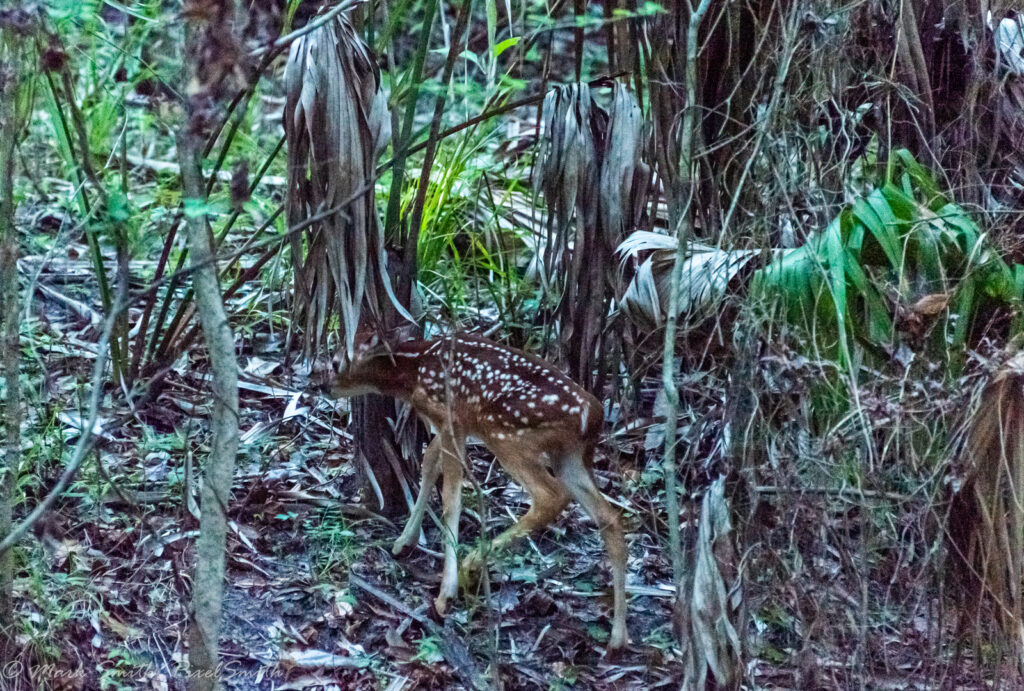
(707, 272)
(715, 599)
(986, 520)
(572, 125)
(1009, 40)
(336, 125)
(623, 173)
(587, 163)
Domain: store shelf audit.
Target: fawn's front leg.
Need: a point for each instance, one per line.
(451, 500)
(428, 478)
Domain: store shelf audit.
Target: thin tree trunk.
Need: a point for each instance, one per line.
(10, 345)
(683, 230)
(208, 581)
(220, 466)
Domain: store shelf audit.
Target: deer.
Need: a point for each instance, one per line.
(541, 426)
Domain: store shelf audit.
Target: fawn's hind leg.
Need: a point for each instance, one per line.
(451, 501)
(573, 471)
(524, 461)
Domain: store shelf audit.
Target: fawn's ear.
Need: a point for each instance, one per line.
(371, 341)
(402, 333)
(365, 335)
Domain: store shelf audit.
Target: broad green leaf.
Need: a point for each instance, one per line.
(964, 311)
(197, 208)
(917, 176)
(836, 255)
(504, 45)
(875, 213)
(877, 314)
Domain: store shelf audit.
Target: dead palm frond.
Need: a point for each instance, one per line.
(336, 125)
(587, 166)
(986, 519)
(571, 143)
(624, 176)
(707, 272)
(715, 599)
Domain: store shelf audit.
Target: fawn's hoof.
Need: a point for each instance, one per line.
(402, 547)
(440, 606)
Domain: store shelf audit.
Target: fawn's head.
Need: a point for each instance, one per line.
(370, 366)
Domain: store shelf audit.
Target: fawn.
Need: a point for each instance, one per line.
(539, 424)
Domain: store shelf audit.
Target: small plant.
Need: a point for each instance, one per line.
(334, 543)
(567, 677)
(904, 247)
(123, 670)
(428, 650)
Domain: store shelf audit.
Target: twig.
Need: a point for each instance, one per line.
(840, 492)
(84, 444)
(452, 647)
(310, 27)
(80, 308)
(172, 168)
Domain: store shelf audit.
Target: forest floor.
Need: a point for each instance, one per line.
(314, 597)
(313, 594)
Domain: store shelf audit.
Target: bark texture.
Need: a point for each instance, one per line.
(9, 340)
(14, 29)
(210, 60)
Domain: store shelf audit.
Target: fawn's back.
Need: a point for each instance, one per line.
(482, 389)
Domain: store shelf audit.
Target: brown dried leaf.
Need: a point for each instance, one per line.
(931, 305)
(336, 124)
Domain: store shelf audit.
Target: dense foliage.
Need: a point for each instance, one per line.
(815, 441)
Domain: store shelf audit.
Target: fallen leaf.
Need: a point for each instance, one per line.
(931, 305)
